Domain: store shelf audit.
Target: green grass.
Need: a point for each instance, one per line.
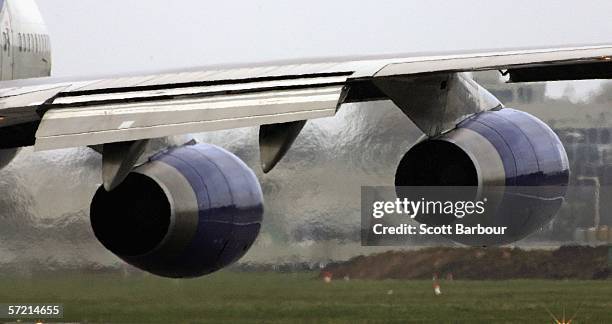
(230, 297)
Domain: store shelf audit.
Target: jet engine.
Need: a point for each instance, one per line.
(188, 212)
(506, 156)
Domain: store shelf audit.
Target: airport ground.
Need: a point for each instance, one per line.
(247, 297)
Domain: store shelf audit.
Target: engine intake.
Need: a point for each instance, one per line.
(188, 212)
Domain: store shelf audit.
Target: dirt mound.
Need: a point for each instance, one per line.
(571, 262)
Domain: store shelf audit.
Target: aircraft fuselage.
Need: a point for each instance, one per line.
(25, 46)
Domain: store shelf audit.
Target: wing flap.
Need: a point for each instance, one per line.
(107, 123)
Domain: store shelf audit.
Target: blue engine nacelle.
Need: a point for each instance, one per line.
(188, 212)
(507, 154)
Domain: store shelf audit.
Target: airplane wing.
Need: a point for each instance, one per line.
(54, 113)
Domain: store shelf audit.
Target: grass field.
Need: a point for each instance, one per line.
(230, 297)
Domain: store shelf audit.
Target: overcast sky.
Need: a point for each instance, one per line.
(114, 36)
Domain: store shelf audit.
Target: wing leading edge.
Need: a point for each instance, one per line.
(52, 114)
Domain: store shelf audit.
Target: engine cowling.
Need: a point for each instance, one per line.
(507, 154)
(188, 212)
